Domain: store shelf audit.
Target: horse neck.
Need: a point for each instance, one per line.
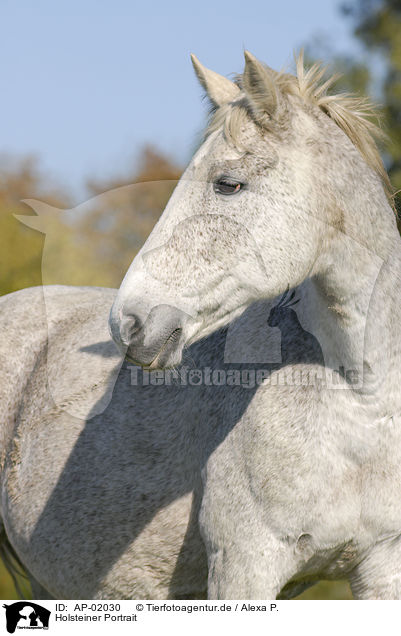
(353, 306)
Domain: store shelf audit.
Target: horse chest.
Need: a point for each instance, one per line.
(302, 470)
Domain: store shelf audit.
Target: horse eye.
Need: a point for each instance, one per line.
(223, 185)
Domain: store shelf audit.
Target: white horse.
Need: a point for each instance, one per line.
(246, 489)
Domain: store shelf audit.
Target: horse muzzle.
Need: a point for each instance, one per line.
(155, 342)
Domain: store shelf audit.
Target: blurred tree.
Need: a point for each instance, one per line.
(376, 71)
(92, 244)
(377, 24)
(124, 211)
(20, 247)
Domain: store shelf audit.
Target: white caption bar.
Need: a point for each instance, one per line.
(303, 618)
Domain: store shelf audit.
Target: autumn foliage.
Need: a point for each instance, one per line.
(89, 244)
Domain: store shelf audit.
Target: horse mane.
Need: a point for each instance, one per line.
(354, 114)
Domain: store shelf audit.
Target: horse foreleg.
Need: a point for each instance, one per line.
(378, 575)
(249, 572)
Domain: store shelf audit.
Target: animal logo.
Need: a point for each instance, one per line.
(25, 614)
(297, 344)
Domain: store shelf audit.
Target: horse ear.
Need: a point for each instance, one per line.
(219, 89)
(259, 86)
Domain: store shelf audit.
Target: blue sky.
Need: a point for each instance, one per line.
(85, 83)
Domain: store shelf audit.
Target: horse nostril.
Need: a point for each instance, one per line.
(132, 326)
(133, 330)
